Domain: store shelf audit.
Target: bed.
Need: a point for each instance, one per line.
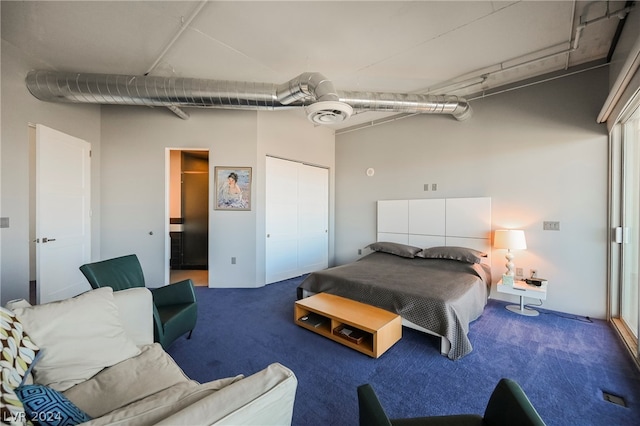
(430, 264)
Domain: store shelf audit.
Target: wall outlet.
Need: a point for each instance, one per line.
(359, 251)
(426, 186)
(434, 186)
(519, 272)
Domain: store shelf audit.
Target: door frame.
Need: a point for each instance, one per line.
(167, 211)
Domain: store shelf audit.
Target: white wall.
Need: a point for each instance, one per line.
(537, 152)
(135, 185)
(133, 167)
(19, 109)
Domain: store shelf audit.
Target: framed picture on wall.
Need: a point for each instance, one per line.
(233, 188)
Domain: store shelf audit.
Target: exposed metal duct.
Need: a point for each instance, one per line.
(324, 104)
(408, 103)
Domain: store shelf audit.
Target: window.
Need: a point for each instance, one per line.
(625, 218)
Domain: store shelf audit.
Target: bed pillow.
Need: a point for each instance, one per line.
(78, 336)
(462, 254)
(395, 248)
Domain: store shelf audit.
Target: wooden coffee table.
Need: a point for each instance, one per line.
(365, 328)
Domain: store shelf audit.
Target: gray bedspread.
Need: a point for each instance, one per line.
(443, 296)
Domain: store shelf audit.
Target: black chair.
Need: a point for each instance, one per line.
(175, 310)
(508, 406)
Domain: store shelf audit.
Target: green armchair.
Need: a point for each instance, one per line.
(175, 309)
(508, 406)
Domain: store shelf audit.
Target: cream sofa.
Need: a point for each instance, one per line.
(80, 338)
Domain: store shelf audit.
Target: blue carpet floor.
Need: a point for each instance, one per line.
(563, 363)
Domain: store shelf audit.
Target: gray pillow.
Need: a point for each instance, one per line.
(462, 254)
(395, 248)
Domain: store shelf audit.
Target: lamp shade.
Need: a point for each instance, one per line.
(512, 239)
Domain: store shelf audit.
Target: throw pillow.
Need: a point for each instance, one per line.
(11, 408)
(16, 358)
(79, 337)
(49, 407)
(18, 350)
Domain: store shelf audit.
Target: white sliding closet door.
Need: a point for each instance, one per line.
(282, 219)
(313, 218)
(297, 218)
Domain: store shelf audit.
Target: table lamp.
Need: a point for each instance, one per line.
(510, 239)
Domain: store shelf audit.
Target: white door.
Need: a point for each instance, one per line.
(297, 219)
(63, 222)
(281, 219)
(313, 218)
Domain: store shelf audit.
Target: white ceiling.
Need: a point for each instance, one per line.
(381, 46)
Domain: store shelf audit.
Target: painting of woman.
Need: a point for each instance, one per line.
(233, 188)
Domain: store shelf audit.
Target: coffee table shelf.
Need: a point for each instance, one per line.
(323, 313)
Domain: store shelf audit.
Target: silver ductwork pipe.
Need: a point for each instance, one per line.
(111, 89)
(174, 93)
(408, 103)
(307, 85)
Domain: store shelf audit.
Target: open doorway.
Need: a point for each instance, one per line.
(189, 216)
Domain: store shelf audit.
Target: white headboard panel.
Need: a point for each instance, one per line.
(393, 237)
(464, 222)
(425, 241)
(393, 216)
(427, 217)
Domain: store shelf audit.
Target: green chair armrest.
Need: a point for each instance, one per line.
(172, 294)
(509, 404)
(158, 330)
(370, 409)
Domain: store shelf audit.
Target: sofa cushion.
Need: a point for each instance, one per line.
(135, 306)
(128, 381)
(156, 407)
(46, 406)
(266, 398)
(79, 337)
